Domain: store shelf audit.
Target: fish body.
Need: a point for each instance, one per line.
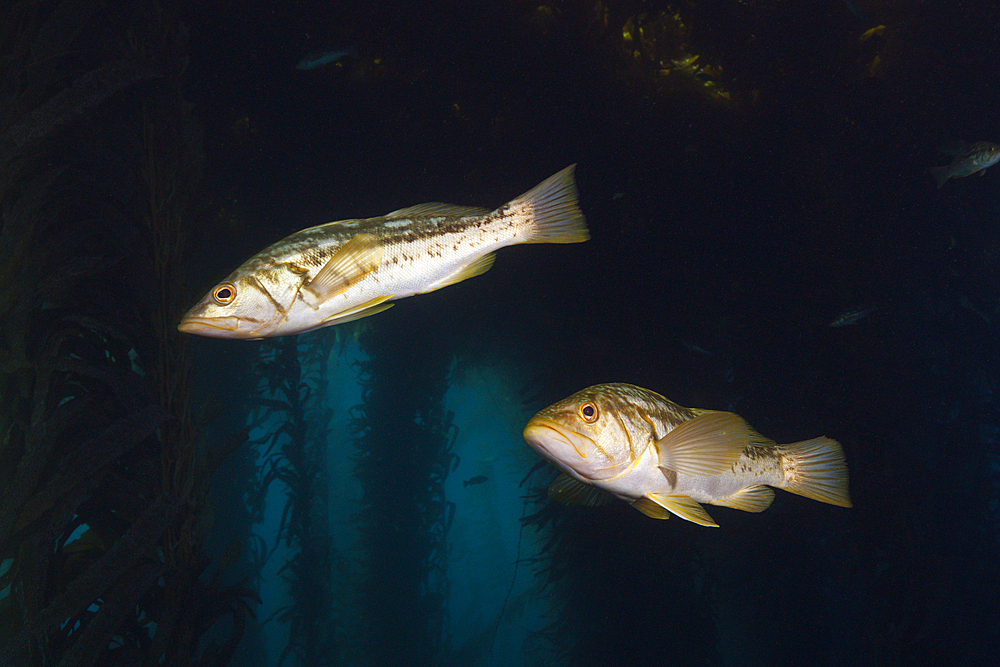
(349, 269)
(321, 58)
(851, 316)
(631, 443)
(975, 158)
(478, 479)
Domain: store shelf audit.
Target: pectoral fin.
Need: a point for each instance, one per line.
(750, 499)
(683, 507)
(349, 265)
(706, 445)
(569, 491)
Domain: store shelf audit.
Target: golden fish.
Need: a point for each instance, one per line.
(346, 270)
(667, 459)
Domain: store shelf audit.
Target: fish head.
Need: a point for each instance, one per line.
(596, 434)
(991, 154)
(982, 154)
(248, 304)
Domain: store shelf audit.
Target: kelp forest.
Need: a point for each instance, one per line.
(129, 496)
(105, 482)
(769, 235)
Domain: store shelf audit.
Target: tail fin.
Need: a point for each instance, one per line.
(816, 469)
(553, 210)
(940, 175)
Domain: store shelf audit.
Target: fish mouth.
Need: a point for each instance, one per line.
(209, 326)
(553, 438)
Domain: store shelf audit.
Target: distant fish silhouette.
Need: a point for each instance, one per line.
(976, 158)
(851, 316)
(321, 58)
(478, 479)
(694, 349)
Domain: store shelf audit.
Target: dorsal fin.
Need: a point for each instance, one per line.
(432, 209)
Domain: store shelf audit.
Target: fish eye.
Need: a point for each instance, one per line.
(588, 412)
(224, 294)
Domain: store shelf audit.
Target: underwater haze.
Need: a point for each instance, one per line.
(792, 216)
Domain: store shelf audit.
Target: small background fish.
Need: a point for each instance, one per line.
(852, 316)
(473, 481)
(967, 161)
(319, 59)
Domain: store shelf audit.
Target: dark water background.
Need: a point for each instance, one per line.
(735, 208)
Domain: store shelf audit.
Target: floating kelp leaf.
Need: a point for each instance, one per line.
(38, 442)
(115, 606)
(87, 92)
(112, 566)
(91, 457)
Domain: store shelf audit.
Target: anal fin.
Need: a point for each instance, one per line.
(474, 268)
(751, 499)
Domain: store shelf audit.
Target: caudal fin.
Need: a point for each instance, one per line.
(941, 175)
(553, 210)
(816, 469)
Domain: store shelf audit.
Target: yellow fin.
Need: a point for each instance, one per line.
(705, 446)
(553, 210)
(816, 469)
(569, 491)
(683, 507)
(372, 307)
(436, 210)
(349, 265)
(650, 509)
(750, 499)
(470, 270)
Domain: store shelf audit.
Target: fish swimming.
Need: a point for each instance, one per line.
(977, 157)
(852, 316)
(343, 271)
(321, 58)
(478, 479)
(665, 459)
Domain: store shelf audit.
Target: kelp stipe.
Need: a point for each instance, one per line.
(292, 392)
(404, 454)
(587, 580)
(102, 502)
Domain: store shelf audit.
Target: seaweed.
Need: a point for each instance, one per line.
(404, 440)
(103, 498)
(589, 574)
(292, 388)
